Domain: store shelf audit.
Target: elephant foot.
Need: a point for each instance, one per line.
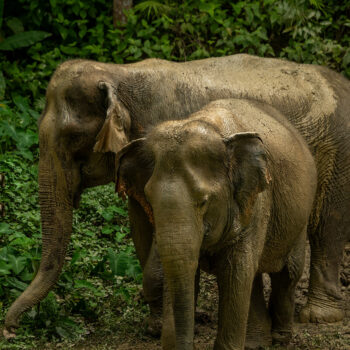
(154, 326)
(281, 337)
(321, 312)
(324, 305)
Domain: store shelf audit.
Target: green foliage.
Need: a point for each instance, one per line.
(296, 29)
(101, 272)
(124, 264)
(19, 236)
(18, 127)
(22, 39)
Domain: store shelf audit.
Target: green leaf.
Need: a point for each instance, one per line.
(14, 282)
(4, 254)
(24, 39)
(346, 58)
(23, 242)
(67, 328)
(8, 129)
(17, 264)
(2, 86)
(63, 31)
(108, 215)
(77, 256)
(20, 102)
(119, 237)
(106, 230)
(120, 211)
(109, 212)
(134, 270)
(27, 155)
(5, 228)
(82, 32)
(4, 268)
(62, 332)
(25, 140)
(209, 8)
(69, 50)
(84, 284)
(26, 275)
(15, 24)
(249, 15)
(154, 8)
(317, 3)
(118, 262)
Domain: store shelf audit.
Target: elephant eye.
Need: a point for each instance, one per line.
(203, 202)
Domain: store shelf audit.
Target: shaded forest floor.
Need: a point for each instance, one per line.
(128, 333)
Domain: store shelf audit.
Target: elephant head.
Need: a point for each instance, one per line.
(202, 188)
(82, 127)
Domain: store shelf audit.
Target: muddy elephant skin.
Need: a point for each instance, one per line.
(99, 107)
(231, 189)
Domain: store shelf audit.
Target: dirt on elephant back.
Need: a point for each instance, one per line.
(306, 336)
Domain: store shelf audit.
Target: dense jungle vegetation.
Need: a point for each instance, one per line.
(101, 281)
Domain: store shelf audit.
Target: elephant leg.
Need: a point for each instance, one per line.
(142, 235)
(327, 244)
(259, 320)
(235, 276)
(283, 283)
(153, 290)
(324, 302)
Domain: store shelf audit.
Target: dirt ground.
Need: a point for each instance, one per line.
(306, 336)
(129, 333)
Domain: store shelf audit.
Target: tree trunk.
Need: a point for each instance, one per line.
(118, 11)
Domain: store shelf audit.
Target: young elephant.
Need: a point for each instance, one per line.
(231, 190)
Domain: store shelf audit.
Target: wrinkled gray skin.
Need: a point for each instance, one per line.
(88, 101)
(231, 189)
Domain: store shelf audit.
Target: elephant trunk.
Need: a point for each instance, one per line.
(179, 247)
(55, 196)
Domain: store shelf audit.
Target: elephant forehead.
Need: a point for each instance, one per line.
(74, 92)
(76, 77)
(192, 159)
(185, 146)
(192, 134)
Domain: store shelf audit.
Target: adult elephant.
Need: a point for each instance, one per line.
(98, 107)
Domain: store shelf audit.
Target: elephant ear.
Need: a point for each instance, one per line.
(248, 170)
(134, 167)
(113, 134)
